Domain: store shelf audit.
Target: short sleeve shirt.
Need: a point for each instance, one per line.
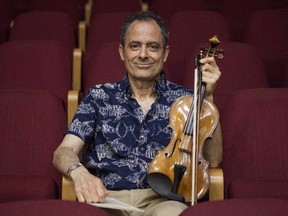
(122, 140)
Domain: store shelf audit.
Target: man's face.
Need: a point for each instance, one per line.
(143, 53)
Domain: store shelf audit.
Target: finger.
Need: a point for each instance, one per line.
(94, 196)
(88, 197)
(207, 60)
(210, 68)
(80, 197)
(102, 194)
(215, 76)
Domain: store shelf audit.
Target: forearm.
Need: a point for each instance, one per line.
(64, 158)
(88, 188)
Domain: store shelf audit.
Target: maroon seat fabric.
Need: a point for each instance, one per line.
(100, 31)
(255, 125)
(285, 82)
(188, 29)
(241, 68)
(6, 16)
(268, 32)
(106, 66)
(166, 8)
(112, 6)
(240, 207)
(32, 187)
(48, 208)
(45, 25)
(19, 6)
(259, 188)
(74, 8)
(35, 65)
(32, 126)
(237, 14)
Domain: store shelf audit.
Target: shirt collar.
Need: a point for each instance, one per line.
(160, 85)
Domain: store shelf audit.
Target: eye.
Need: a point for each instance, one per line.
(134, 46)
(153, 47)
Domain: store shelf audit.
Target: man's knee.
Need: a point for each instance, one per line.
(172, 208)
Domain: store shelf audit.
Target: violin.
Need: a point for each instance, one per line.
(179, 171)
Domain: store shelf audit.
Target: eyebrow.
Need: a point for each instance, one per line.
(148, 43)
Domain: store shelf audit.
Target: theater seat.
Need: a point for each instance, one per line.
(74, 8)
(105, 66)
(254, 125)
(35, 64)
(270, 41)
(32, 126)
(50, 25)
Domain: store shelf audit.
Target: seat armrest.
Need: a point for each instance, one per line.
(88, 11)
(82, 35)
(144, 6)
(73, 101)
(77, 69)
(68, 191)
(216, 189)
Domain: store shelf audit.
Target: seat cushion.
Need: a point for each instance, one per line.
(258, 189)
(48, 208)
(239, 207)
(14, 188)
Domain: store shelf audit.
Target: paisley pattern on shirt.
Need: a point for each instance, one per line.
(122, 140)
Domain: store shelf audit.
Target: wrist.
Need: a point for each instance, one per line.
(72, 168)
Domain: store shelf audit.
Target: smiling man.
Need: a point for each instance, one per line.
(125, 123)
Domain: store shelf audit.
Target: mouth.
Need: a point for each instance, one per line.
(143, 65)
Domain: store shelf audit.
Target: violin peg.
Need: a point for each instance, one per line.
(219, 56)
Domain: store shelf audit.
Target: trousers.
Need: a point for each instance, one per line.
(147, 200)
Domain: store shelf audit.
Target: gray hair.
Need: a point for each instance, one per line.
(144, 16)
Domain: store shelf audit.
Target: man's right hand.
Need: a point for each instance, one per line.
(88, 188)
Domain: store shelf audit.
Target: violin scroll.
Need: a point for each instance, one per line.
(212, 51)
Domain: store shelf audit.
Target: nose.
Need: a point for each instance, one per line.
(143, 52)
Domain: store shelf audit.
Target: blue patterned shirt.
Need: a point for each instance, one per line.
(123, 141)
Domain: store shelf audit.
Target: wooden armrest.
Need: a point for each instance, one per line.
(77, 69)
(144, 6)
(82, 32)
(73, 101)
(68, 191)
(88, 11)
(216, 189)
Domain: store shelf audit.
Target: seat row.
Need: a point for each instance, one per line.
(235, 12)
(242, 67)
(182, 39)
(254, 125)
(188, 31)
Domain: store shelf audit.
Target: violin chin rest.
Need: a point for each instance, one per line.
(162, 185)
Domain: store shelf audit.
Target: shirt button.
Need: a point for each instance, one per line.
(142, 149)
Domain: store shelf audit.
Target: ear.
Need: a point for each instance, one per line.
(166, 53)
(121, 52)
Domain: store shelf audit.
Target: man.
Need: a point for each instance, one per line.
(125, 123)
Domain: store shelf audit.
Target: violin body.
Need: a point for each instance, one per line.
(179, 171)
(176, 157)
